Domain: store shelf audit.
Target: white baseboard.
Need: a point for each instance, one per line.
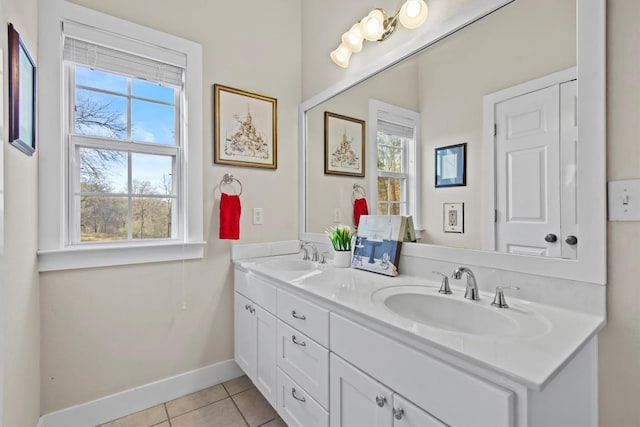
(136, 399)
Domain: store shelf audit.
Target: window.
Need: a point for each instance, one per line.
(125, 191)
(396, 160)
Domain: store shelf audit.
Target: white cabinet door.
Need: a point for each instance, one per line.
(406, 414)
(265, 336)
(245, 336)
(357, 400)
(255, 345)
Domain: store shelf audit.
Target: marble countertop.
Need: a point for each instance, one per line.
(544, 341)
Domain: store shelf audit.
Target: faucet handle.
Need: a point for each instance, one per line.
(498, 300)
(444, 287)
(323, 257)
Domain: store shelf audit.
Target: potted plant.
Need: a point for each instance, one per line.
(341, 237)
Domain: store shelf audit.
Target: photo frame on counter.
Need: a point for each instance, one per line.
(451, 166)
(22, 95)
(344, 145)
(245, 128)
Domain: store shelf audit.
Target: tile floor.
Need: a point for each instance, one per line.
(235, 403)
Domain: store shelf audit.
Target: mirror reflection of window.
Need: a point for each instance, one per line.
(396, 147)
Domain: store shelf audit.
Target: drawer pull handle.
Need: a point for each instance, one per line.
(300, 343)
(398, 413)
(298, 316)
(293, 393)
(381, 400)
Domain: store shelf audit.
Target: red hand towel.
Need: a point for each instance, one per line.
(230, 216)
(359, 208)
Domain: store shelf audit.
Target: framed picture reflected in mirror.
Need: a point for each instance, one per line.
(451, 166)
(344, 145)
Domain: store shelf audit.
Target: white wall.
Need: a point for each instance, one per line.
(110, 329)
(20, 301)
(619, 348)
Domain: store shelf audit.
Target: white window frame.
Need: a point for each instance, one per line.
(55, 249)
(379, 110)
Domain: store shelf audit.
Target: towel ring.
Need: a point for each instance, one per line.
(357, 190)
(228, 179)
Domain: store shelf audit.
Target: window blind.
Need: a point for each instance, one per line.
(100, 56)
(395, 129)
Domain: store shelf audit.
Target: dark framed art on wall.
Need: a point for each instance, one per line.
(22, 95)
(450, 167)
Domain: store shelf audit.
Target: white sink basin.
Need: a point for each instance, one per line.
(290, 265)
(451, 315)
(423, 305)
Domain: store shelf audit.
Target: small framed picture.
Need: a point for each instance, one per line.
(451, 169)
(453, 218)
(245, 128)
(22, 95)
(344, 140)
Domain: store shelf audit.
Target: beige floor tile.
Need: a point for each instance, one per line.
(164, 424)
(220, 414)
(146, 418)
(238, 385)
(196, 400)
(275, 423)
(254, 408)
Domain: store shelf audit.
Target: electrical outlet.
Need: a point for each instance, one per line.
(337, 215)
(258, 216)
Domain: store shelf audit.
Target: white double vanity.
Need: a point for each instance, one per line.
(342, 347)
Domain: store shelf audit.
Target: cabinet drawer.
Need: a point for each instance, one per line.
(256, 289)
(305, 316)
(305, 361)
(296, 407)
(435, 386)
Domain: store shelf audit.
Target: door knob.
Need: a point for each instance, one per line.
(571, 240)
(550, 238)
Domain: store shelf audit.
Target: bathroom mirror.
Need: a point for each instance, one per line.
(448, 82)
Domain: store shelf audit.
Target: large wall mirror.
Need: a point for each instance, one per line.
(508, 88)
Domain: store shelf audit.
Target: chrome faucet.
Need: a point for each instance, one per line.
(314, 254)
(472, 286)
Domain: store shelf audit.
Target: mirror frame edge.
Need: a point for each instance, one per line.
(591, 266)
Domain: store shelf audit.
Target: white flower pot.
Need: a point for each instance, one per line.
(342, 258)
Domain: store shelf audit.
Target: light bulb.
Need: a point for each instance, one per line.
(372, 25)
(353, 39)
(341, 56)
(413, 13)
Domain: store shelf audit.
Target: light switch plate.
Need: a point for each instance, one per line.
(624, 200)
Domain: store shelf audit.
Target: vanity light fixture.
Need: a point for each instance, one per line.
(377, 26)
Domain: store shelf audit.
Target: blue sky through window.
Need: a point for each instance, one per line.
(151, 122)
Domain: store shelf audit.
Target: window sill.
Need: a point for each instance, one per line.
(106, 256)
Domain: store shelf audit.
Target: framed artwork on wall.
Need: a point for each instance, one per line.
(245, 128)
(22, 95)
(344, 145)
(451, 167)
